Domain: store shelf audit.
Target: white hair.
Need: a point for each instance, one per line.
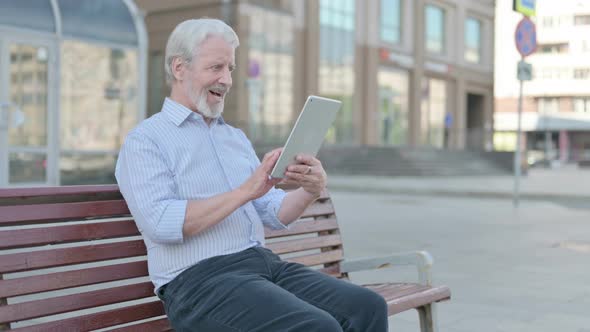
(185, 40)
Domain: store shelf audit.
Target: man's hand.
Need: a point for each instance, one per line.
(259, 182)
(309, 174)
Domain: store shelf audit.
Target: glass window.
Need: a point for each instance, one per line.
(548, 105)
(392, 115)
(433, 112)
(582, 105)
(99, 105)
(435, 29)
(105, 20)
(473, 40)
(391, 21)
(554, 48)
(28, 92)
(270, 75)
(582, 73)
(336, 76)
(582, 20)
(30, 14)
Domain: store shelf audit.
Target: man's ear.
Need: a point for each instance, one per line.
(178, 67)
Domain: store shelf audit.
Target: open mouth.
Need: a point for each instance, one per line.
(217, 94)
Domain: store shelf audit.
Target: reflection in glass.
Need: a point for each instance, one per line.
(392, 115)
(26, 167)
(104, 20)
(29, 14)
(87, 168)
(433, 111)
(336, 77)
(472, 40)
(390, 21)
(270, 75)
(435, 29)
(28, 95)
(98, 100)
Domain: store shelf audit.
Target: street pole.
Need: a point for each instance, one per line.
(517, 151)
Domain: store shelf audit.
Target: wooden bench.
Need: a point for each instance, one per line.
(72, 259)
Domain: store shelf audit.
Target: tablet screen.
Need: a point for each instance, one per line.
(309, 131)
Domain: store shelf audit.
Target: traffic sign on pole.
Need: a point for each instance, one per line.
(525, 7)
(525, 37)
(525, 71)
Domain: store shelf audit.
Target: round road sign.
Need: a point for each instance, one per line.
(526, 37)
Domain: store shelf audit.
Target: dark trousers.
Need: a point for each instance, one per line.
(254, 290)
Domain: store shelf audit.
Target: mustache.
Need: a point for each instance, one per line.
(218, 88)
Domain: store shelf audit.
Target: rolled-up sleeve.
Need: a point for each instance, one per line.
(268, 207)
(147, 184)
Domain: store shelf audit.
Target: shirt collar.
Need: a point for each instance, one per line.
(178, 113)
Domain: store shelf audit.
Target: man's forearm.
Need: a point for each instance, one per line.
(294, 203)
(202, 214)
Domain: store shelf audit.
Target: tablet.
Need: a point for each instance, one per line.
(309, 131)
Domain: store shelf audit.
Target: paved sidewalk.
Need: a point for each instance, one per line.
(567, 183)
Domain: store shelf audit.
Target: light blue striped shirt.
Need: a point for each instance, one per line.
(174, 157)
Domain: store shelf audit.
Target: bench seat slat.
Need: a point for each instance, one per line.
(158, 325)
(39, 213)
(61, 304)
(64, 234)
(69, 279)
(100, 319)
(402, 297)
(317, 259)
(304, 227)
(317, 242)
(58, 257)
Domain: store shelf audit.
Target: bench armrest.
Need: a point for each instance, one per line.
(421, 259)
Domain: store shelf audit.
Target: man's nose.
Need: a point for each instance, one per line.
(226, 78)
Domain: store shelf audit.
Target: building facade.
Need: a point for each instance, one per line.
(72, 84)
(409, 72)
(556, 103)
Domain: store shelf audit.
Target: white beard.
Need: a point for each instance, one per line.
(200, 102)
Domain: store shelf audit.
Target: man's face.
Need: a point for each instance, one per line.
(208, 78)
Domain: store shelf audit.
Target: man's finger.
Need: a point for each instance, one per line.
(307, 160)
(303, 169)
(269, 163)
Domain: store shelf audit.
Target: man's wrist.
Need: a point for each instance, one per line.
(243, 195)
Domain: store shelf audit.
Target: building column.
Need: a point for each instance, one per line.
(416, 75)
(564, 146)
(459, 127)
(306, 52)
(366, 67)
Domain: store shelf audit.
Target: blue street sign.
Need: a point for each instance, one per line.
(526, 37)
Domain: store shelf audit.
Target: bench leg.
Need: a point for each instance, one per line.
(428, 322)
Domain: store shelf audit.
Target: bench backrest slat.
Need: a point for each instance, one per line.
(310, 226)
(65, 234)
(102, 319)
(69, 279)
(160, 325)
(320, 208)
(327, 257)
(61, 304)
(43, 213)
(318, 242)
(58, 257)
(92, 225)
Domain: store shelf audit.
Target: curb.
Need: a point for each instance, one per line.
(465, 194)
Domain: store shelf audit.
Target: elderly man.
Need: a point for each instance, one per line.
(200, 198)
